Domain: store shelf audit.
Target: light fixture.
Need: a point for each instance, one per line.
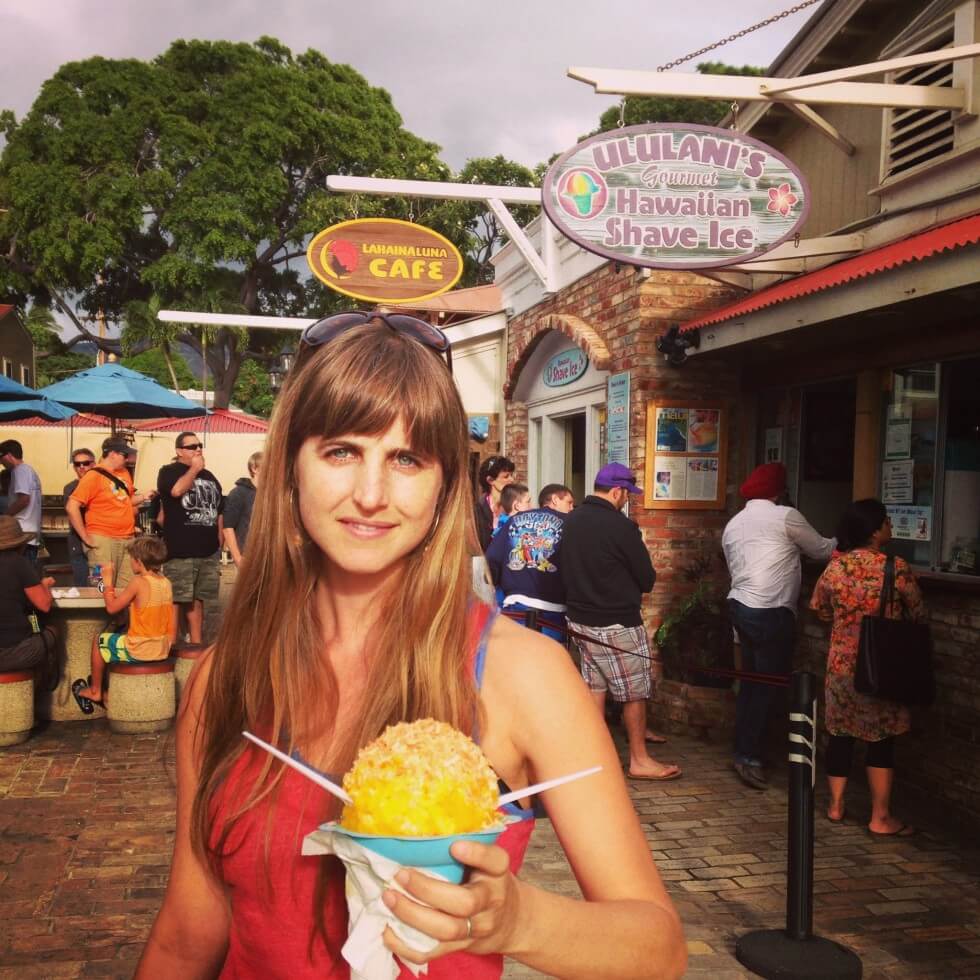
(279, 368)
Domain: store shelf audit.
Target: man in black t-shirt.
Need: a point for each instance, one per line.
(191, 499)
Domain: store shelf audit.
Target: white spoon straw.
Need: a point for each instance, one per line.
(301, 767)
(519, 794)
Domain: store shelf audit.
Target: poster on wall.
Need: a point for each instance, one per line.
(898, 438)
(897, 483)
(670, 478)
(686, 450)
(672, 430)
(618, 418)
(911, 523)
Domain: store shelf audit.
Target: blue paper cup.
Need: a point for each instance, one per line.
(431, 853)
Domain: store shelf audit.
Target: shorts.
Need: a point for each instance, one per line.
(625, 675)
(34, 652)
(112, 646)
(194, 578)
(112, 551)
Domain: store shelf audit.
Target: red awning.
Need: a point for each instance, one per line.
(966, 231)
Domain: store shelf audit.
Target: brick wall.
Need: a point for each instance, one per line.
(616, 315)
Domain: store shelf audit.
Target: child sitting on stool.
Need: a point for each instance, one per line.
(152, 624)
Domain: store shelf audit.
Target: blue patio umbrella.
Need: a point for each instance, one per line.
(120, 393)
(27, 408)
(11, 391)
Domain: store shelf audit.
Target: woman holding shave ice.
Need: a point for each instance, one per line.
(353, 612)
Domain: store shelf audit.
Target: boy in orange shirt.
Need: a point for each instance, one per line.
(152, 624)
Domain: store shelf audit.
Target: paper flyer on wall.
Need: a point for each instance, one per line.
(672, 430)
(774, 445)
(911, 523)
(670, 478)
(703, 430)
(898, 438)
(702, 479)
(897, 484)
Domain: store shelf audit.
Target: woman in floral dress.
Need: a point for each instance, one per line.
(850, 589)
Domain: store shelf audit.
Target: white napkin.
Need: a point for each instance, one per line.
(368, 875)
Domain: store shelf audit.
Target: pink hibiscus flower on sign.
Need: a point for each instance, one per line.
(781, 199)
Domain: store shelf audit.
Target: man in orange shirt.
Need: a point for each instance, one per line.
(108, 526)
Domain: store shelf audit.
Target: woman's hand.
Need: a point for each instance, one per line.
(479, 917)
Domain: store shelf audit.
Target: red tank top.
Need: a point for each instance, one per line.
(272, 910)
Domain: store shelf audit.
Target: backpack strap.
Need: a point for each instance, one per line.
(119, 484)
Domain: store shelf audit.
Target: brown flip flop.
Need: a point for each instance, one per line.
(676, 774)
(654, 739)
(906, 830)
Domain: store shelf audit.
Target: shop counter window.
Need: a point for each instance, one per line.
(930, 467)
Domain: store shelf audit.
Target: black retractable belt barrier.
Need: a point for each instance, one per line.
(795, 953)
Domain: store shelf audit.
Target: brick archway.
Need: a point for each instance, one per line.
(572, 327)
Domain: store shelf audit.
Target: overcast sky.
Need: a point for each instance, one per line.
(478, 78)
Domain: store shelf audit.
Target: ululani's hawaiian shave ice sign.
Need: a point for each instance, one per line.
(675, 196)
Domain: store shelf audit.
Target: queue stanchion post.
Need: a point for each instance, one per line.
(531, 619)
(794, 953)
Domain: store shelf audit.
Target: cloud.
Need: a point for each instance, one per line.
(476, 79)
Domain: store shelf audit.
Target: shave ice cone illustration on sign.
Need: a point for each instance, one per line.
(675, 196)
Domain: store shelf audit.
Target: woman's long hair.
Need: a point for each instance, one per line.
(269, 672)
(859, 523)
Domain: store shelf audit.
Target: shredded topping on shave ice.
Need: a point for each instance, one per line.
(418, 779)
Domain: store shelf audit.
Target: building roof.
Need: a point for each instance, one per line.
(5, 308)
(475, 300)
(217, 420)
(956, 234)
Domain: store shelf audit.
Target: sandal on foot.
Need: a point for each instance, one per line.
(905, 830)
(654, 739)
(84, 704)
(840, 819)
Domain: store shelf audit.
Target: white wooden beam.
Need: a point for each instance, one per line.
(237, 320)
(523, 244)
(442, 190)
(822, 126)
(742, 88)
(874, 68)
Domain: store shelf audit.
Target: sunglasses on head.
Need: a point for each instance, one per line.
(323, 331)
(192, 445)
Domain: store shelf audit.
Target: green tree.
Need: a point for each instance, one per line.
(640, 109)
(196, 178)
(154, 365)
(253, 393)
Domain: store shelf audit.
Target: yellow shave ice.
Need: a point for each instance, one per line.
(420, 779)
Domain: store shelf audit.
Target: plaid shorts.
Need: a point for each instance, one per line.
(625, 675)
(194, 578)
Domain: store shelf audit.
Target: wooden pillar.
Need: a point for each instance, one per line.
(748, 423)
(867, 434)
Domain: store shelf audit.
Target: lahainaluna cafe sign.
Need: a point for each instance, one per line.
(675, 196)
(383, 260)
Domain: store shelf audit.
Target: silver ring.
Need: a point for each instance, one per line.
(469, 928)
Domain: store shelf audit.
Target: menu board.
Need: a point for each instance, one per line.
(685, 455)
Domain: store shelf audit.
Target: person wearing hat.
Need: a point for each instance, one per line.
(762, 545)
(102, 512)
(22, 592)
(606, 570)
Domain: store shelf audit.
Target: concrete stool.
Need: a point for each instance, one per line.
(186, 658)
(16, 706)
(142, 697)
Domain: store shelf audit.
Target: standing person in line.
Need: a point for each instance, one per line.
(238, 509)
(357, 613)
(556, 496)
(102, 512)
(850, 589)
(191, 498)
(495, 473)
(82, 460)
(24, 501)
(762, 545)
(523, 559)
(514, 499)
(606, 570)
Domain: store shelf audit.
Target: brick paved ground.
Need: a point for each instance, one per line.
(85, 836)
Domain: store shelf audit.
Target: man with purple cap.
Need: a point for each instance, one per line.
(606, 570)
(762, 545)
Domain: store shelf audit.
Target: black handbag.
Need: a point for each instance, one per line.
(894, 659)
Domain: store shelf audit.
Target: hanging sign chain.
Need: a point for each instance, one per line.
(738, 34)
